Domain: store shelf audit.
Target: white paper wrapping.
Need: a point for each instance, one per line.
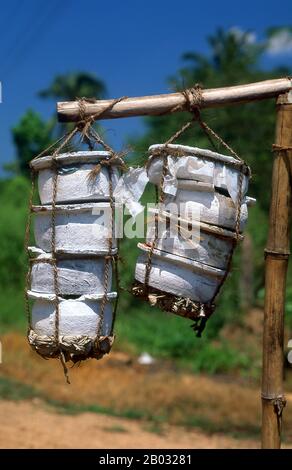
(130, 188)
(74, 184)
(179, 276)
(76, 276)
(216, 173)
(79, 316)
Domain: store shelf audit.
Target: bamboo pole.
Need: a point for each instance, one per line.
(276, 263)
(69, 111)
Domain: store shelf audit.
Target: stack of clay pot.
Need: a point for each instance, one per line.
(81, 246)
(197, 182)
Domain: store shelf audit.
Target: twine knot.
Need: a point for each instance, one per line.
(279, 405)
(116, 159)
(82, 108)
(194, 98)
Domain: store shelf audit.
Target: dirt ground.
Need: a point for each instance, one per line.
(174, 408)
(33, 425)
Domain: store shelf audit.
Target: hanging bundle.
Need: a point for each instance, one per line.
(76, 252)
(192, 233)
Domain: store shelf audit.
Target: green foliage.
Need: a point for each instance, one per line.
(14, 195)
(275, 30)
(233, 57)
(168, 336)
(79, 84)
(11, 389)
(13, 214)
(30, 136)
(12, 309)
(289, 304)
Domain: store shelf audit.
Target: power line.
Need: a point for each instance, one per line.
(34, 29)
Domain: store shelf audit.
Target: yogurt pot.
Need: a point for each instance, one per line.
(76, 276)
(196, 241)
(80, 229)
(192, 163)
(178, 275)
(74, 183)
(210, 207)
(80, 316)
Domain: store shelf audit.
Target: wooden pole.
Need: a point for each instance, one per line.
(69, 111)
(276, 263)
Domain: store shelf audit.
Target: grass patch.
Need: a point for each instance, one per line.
(73, 409)
(116, 428)
(12, 310)
(224, 427)
(11, 389)
(168, 336)
(154, 428)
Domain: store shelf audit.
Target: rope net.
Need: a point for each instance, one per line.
(74, 348)
(198, 312)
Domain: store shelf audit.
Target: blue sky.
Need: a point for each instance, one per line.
(133, 46)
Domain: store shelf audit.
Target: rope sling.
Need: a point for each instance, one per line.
(74, 348)
(186, 307)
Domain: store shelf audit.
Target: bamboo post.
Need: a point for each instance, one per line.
(276, 263)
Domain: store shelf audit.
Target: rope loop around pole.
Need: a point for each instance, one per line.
(194, 97)
(281, 148)
(93, 117)
(278, 402)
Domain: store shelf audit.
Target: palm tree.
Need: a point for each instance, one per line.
(233, 57)
(76, 84)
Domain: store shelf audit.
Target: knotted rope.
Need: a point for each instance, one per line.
(90, 135)
(278, 402)
(281, 148)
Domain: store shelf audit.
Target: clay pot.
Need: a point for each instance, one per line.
(177, 275)
(79, 316)
(210, 206)
(202, 165)
(74, 184)
(76, 276)
(81, 229)
(197, 241)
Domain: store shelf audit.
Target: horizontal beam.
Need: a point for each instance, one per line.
(69, 111)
